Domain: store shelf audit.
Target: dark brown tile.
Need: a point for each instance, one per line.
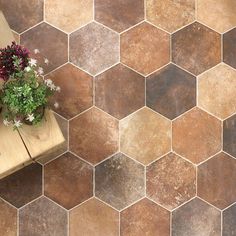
(119, 91)
(119, 181)
(229, 48)
(229, 221)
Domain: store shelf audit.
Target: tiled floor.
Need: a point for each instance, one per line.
(148, 104)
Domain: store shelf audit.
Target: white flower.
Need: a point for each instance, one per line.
(40, 71)
(6, 122)
(46, 61)
(48, 82)
(52, 87)
(36, 51)
(33, 62)
(27, 69)
(30, 117)
(17, 123)
(58, 89)
(56, 104)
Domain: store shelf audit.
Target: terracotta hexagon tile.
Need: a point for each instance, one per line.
(29, 14)
(22, 186)
(94, 135)
(76, 93)
(170, 15)
(119, 15)
(119, 181)
(196, 48)
(51, 42)
(196, 135)
(68, 15)
(94, 218)
(171, 181)
(217, 180)
(202, 219)
(145, 218)
(94, 48)
(68, 180)
(145, 48)
(219, 15)
(171, 91)
(221, 101)
(42, 218)
(229, 221)
(145, 135)
(119, 91)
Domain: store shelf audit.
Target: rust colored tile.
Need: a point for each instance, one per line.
(23, 186)
(170, 15)
(94, 218)
(171, 91)
(145, 218)
(196, 48)
(145, 48)
(52, 44)
(119, 91)
(145, 135)
(196, 135)
(76, 93)
(21, 15)
(119, 15)
(94, 48)
(229, 221)
(42, 218)
(171, 181)
(221, 101)
(217, 180)
(119, 181)
(68, 15)
(94, 135)
(196, 218)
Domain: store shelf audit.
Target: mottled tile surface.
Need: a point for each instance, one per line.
(229, 221)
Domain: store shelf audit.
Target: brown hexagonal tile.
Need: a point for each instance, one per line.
(229, 221)
(119, 15)
(51, 42)
(22, 186)
(171, 91)
(145, 218)
(145, 135)
(119, 181)
(68, 15)
(202, 219)
(221, 101)
(219, 15)
(29, 14)
(170, 15)
(119, 91)
(196, 135)
(94, 48)
(76, 94)
(196, 48)
(94, 135)
(171, 181)
(42, 218)
(94, 218)
(68, 180)
(145, 48)
(217, 180)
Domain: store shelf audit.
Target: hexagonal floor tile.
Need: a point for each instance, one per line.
(94, 135)
(119, 181)
(76, 93)
(170, 15)
(171, 91)
(29, 14)
(119, 91)
(217, 180)
(145, 48)
(68, 180)
(101, 219)
(221, 101)
(22, 186)
(94, 48)
(68, 15)
(42, 218)
(51, 42)
(229, 221)
(171, 181)
(145, 218)
(196, 48)
(209, 12)
(196, 135)
(145, 135)
(202, 218)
